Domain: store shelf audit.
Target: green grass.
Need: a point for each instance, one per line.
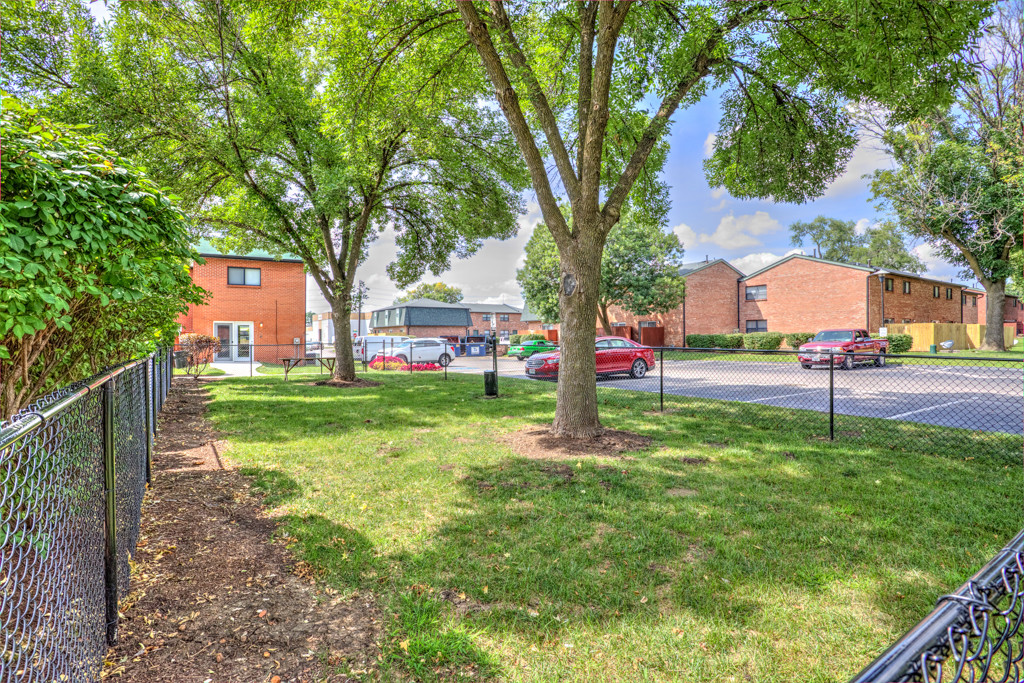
(783, 557)
(269, 369)
(208, 372)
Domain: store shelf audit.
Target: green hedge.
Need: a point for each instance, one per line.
(714, 341)
(764, 341)
(900, 343)
(515, 339)
(795, 339)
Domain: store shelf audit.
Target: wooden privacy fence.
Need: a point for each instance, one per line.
(964, 336)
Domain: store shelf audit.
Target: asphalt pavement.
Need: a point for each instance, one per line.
(981, 397)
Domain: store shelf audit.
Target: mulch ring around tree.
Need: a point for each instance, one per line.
(540, 443)
(213, 596)
(356, 383)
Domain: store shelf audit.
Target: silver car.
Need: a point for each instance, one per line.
(424, 350)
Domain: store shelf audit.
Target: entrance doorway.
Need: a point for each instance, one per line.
(235, 341)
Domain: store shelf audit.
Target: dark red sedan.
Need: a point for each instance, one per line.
(615, 356)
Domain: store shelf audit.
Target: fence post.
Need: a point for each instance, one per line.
(110, 518)
(831, 396)
(661, 380)
(149, 423)
(494, 358)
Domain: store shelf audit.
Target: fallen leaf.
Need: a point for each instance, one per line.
(404, 645)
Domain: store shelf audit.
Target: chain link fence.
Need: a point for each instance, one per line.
(74, 467)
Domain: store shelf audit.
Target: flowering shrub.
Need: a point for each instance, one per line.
(392, 363)
(200, 349)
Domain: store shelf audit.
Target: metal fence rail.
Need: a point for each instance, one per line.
(972, 635)
(73, 468)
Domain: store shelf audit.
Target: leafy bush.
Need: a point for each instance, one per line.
(515, 339)
(763, 341)
(533, 336)
(729, 341)
(900, 343)
(700, 341)
(795, 339)
(200, 349)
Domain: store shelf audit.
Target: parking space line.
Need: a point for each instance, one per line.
(924, 410)
(772, 398)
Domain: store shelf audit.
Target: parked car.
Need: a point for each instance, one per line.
(844, 348)
(424, 350)
(525, 349)
(368, 346)
(615, 356)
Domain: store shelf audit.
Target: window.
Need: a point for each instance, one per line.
(603, 344)
(619, 344)
(907, 320)
(949, 292)
(888, 321)
(476, 333)
(486, 317)
(963, 299)
(906, 287)
(757, 326)
(503, 318)
(648, 323)
(515, 332)
(888, 284)
(757, 293)
(244, 276)
(935, 292)
(547, 326)
(974, 301)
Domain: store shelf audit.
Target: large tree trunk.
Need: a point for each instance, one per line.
(344, 364)
(995, 299)
(576, 407)
(602, 311)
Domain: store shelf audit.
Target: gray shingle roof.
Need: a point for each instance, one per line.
(491, 308)
(422, 312)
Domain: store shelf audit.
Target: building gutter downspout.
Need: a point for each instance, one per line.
(867, 303)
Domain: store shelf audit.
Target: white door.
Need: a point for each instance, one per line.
(235, 339)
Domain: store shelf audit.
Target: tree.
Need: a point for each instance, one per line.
(639, 272)
(94, 258)
(574, 81)
(309, 318)
(957, 181)
(837, 240)
(309, 128)
(438, 291)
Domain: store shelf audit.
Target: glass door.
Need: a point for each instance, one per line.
(243, 335)
(223, 331)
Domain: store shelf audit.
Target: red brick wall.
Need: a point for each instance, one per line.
(807, 296)
(710, 307)
(1012, 311)
(276, 308)
(974, 309)
(514, 323)
(920, 306)
(421, 330)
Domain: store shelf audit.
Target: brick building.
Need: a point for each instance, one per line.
(1013, 310)
(255, 298)
(504, 319)
(806, 294)
(709, 306)
(974, 306)
(422, 318)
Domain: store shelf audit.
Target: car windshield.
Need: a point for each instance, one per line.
(833, 335)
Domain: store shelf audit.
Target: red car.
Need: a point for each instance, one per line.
(615, 356)
(846, 347)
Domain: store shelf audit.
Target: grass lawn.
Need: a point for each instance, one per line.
(269, 369)
(782, 557)
(208, 372)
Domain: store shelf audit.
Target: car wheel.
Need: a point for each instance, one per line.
(402, 358)
(444, 360)
(639, 369)
(847, 363)
(806, 366)
(880, 361)
(520, 358)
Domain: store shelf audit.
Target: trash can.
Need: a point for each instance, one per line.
(490, 383)
(933, 349)
(180, 359)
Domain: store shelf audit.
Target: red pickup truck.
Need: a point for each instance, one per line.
(845, 346)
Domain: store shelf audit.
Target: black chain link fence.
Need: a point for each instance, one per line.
(74, 467)
(972, 635)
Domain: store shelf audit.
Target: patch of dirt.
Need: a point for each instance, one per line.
(214, 597)
(601, 530)
(717, 444)
(695, 553)
(540, 443)
(788, 456)
(680, 493)
(852, 433)
(447, 467)
(339, 384)
(694, 461)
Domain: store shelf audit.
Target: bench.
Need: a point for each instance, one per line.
(291, 363)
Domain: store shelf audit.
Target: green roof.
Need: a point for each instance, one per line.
(205, 248)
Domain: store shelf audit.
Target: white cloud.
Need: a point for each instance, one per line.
(719, 206)
(718, 192)
(687, 236)
(737, 232)
(751, 263)
(709, 144)
(862, 226)
(866, 158)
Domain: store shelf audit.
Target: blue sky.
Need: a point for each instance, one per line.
(750, 234)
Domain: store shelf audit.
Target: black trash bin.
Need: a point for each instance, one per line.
(490, 383)
(180, 359)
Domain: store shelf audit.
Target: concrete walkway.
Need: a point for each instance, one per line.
(235, 368)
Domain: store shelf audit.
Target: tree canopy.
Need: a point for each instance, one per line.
(576, 82)
(881, 245)
(94, 257)
(438, 291)
(639, 272)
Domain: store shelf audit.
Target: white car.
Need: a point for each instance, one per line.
(424, 350)
(368, 346)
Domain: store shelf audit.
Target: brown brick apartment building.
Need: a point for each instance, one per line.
(806, 294)
(422, 318)
(255, 298)
(1013, 310)
(502, 318)
(709, 306)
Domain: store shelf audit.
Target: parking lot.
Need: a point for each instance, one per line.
(980, 397)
